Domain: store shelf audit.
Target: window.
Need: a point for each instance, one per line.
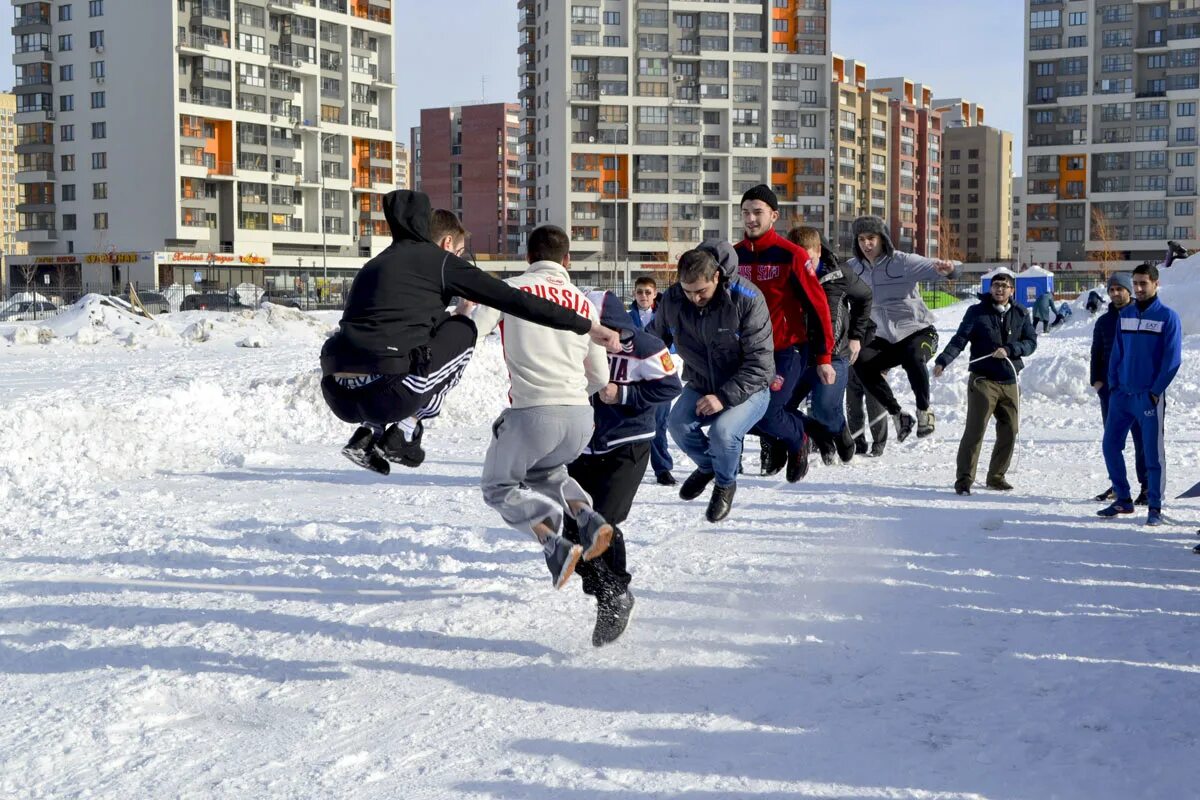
(1077, 18)
(64, 13)
(68, 192)
(1045, 19)
(99, 160)
(612, 17)
(66, 72)
(66, 102)
(1044, 68)
(1185, 208)
(97, 99)
(96, 39)
(1185, 135)
(1187, 159)
(100, 191)
(64, 42)
(1185, 109)
(95, 8)
(96, 69)
(66, 133)
(1187, 184)
(100, 220)
(99, 130)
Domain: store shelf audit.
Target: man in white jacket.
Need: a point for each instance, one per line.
(552, 376)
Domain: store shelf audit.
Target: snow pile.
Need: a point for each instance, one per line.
(1180, 289)
(95, 317)
(32, 334)
(252, 341)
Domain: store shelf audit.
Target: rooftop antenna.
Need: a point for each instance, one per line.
(483, 89)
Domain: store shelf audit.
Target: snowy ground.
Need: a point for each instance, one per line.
(200, 598)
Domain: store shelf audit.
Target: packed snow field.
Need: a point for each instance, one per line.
(201, 598)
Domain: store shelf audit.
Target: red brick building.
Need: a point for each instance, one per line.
(465, 158)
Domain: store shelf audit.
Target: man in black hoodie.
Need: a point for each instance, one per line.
(1000, 332)
(398, 351)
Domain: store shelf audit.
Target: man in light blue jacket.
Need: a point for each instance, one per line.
(904, 332)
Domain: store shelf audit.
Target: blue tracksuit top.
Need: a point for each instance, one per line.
(1148, 349)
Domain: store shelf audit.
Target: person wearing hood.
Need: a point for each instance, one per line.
(397, 352)
(1146, 354)
(720, 326)
(904, 331)
(1120, 294)
(1045, 312)
(641, 310)
(800, 320)
(549, 421)
(1000, 333)
(642, 378)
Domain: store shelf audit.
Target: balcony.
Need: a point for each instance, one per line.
(35, 235)
(35, 175)
(282, 6)
(34, 23)
(33, 116)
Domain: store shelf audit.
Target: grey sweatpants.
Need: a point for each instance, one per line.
(525, 470)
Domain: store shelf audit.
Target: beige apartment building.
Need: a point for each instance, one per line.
(402, 167)
(859, 182)
(643, 122)
(977, 184)
(9, 189)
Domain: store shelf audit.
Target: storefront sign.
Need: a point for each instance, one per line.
(111, 258)
(216, 259)
(53, 260)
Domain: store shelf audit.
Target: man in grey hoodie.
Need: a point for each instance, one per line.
(904, 333)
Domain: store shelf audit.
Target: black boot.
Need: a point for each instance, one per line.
(695, 485)
(797, 462)
(721, 502)
(363, 450)
(860, 445)
(398, 449)
(772, 455)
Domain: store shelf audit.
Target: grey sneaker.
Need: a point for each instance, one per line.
(561, 558)
(925, 422)
(612, 616)
(594, 533)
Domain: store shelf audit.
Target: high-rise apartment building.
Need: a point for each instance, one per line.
(1018, 220)
(1111, 92)
(976, 184)
(204, 137)
(402, 167)
(468, 161)
(915, 130)
(860, 121)
(9, 196)
(643, 123)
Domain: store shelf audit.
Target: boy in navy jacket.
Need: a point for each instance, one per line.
(642, 378)
(1145, 357)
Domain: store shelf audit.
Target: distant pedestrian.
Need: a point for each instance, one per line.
(1045, 312)
(1000, 333)
(1094, 302)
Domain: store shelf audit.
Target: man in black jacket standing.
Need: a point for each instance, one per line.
(1000, 333)
(398, 351)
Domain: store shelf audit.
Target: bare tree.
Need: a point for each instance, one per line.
(28, 273)
(949, 246)
(1102, 232)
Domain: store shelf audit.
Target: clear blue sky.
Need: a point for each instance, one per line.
(466, 51)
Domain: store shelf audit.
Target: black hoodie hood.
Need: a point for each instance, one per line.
(408, 215)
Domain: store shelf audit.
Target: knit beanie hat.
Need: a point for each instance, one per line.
(761, 192)
(1121, 279)
(868, 224)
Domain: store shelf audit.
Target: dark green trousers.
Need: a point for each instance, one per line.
(987, 399)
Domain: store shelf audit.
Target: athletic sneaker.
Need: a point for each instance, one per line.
(612, 616)
(561, 558)
(1154, 517)
(1107, 496)
(904, 423)
(695, 485)
(847, 446)
(860, 445)
(1116, 507)
(828, 453)
(925, 423)
(772, 456)
(363, 450)
(400, 450)
(1141, 499)
(594, 533)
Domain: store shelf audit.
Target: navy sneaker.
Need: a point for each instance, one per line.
(561, 558)
(1154, 517)
(594, 533)
(1116, 507)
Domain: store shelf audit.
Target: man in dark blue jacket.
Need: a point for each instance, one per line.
(1000, 332)
(1120, 292)
(642, 378)
(1145, 357)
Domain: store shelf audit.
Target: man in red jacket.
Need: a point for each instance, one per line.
(788, 280)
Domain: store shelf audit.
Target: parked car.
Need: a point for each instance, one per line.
(215, 301)
(283, 297)
(24, 310)
(154, 302)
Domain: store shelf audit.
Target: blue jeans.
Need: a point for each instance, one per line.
(779, 421)
(660, 456)
(720, 450)
(828, 406)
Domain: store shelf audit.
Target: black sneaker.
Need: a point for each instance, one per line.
(797, 461)
(1141, 499)
(363, 450)
(962, 487)
(612, 616)
(721, 502)
(877, 449)
(595, 534)
(904, 423)
(695, 484)
(828, 453)
(396, 448)
(860, 445)
(561, 558)
(665, 478)
(847, 447)
(772, 455)
(1105, 496)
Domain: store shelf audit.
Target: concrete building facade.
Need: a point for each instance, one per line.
(861, 121)
(9, 188)
(402, 166)
(643, 124)
(1111, 95)
(266, 126)
(468, 161)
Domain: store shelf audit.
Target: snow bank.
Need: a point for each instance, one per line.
(1180, 289)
